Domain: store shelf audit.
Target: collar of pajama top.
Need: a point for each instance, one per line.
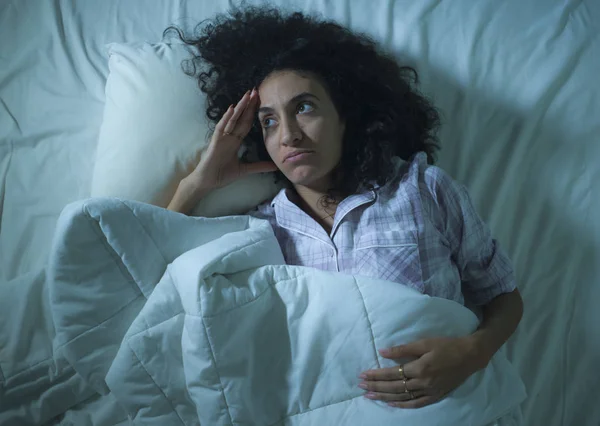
(420, 229)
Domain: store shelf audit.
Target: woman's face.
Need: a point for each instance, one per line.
(301, 128)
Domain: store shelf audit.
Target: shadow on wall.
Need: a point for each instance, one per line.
(530, 183)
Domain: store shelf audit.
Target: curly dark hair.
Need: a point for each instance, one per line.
(385, 114)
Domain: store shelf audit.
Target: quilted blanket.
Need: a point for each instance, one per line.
(199, 322)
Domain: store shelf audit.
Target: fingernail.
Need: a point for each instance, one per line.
(362, 386)
(362, 376)
(370, 395)
(384, 352)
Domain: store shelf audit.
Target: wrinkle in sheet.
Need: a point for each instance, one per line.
(5, 158)
(565, 19)
(11, 116)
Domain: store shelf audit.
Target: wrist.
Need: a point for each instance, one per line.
(478, 350)
(187, 196)
(189, 185)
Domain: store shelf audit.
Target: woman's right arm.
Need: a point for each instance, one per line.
(186, 197)
(219, 165)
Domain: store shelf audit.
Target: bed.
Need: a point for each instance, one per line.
(516, 82)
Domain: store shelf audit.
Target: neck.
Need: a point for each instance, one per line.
(309, 201)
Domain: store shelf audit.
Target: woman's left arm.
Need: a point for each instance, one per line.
(442, 364)
(500, 320)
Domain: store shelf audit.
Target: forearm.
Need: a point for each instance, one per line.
(186, 197)
(500, 320)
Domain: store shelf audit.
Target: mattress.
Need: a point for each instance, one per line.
(516, 82)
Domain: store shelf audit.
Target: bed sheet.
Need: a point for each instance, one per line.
(518, 89)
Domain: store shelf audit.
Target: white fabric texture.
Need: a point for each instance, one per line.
(154, 129)
(226, 333)
(517, 86)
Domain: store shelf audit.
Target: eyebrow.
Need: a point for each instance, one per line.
(291, 101)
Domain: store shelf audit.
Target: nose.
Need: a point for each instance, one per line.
(291, 134)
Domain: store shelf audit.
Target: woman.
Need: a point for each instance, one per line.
(345, 128)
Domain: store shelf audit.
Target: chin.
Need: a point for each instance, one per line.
(305, 175)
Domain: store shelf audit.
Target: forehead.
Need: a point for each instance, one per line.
(280, 86)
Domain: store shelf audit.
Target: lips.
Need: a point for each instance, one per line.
(291, 155)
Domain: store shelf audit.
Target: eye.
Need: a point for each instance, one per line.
(267, 122)
(305, 107)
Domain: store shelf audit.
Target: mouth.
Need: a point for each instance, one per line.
(297, 156)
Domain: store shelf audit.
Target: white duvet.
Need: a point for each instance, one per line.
(199, 322)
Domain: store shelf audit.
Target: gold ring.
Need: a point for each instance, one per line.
(402, 375)
(405, 386)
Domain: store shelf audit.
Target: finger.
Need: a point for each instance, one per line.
(244, 124)
(396, 396)
(414, 349)
(237, 112)
(220, 127)
(390, 373)
(393, 386)
(260, 167)
(415, 403)
(417, 369)
(388, 397)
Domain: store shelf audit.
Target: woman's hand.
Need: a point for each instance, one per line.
(441, 366)
(219, 165)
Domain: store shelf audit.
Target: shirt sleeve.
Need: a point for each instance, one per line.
(485, 269)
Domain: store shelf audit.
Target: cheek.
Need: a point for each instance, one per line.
(314, 128)
(270, 145)
(324, 131)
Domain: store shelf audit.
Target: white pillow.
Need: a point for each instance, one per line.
(154, 129)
